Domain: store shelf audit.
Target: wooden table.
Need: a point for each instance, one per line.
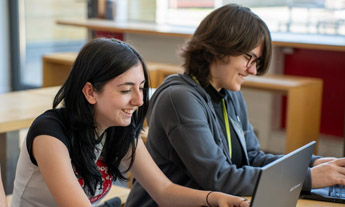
(123, 193)
(313, 203)
(18, 110)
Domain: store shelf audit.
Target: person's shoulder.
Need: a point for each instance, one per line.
(182, 84)
(180, 94)
(49, 117)
(51, 123)
(181, 89)
(178, 90)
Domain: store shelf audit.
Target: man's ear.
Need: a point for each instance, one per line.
(89, 93)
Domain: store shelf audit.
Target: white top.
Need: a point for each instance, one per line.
(30, 189)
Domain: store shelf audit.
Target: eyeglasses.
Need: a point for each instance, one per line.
(251, 60)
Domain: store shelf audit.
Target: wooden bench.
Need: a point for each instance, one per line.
(304, 95)
(61, 62)
(159, 71)
(57, 66)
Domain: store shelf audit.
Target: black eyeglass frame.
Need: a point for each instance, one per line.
(257, 61)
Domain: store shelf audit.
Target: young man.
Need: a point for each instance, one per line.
(199, 132)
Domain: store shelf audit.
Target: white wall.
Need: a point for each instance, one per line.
(4, 48)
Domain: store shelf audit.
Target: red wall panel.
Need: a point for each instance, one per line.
(330, 67)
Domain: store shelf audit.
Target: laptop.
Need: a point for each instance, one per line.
(334, 194)
(281, 181)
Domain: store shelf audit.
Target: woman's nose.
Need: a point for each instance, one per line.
(137, 99)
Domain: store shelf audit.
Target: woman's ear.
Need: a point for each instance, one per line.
(89, 93)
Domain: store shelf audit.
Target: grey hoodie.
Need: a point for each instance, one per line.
(186, 141)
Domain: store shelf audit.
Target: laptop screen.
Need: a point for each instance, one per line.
(281, 181)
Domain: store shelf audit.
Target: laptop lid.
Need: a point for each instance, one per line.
(281, 181)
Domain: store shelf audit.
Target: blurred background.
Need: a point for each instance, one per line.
(28, 30)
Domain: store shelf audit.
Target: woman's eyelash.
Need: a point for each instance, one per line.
(129, 90)
(126, 91)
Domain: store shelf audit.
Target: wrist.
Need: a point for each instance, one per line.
(208, 198)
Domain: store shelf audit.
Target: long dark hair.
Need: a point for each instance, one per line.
(229, 30)
(99, 61)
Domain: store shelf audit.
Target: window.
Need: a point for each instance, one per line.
(36, 34)
(295, 16)
(184, 12)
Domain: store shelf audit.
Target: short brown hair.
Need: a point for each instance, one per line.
(229, 30)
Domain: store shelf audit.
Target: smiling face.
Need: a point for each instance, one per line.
(230, 73)
(120, 97)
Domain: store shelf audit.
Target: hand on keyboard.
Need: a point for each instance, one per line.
(328, 172)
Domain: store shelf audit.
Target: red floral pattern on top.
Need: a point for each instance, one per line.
(101, 190)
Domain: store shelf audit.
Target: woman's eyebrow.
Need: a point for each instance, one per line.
(126, 83)
(130, 83)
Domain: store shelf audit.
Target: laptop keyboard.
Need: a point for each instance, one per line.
(337, 191)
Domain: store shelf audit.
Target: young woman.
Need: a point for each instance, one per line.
(3, 199)
(200, 135)
(75, 151)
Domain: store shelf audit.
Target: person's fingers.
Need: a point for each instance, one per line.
(244, 202)
(340, 162)
(324, 160)
(328, 174)
(341, 171)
